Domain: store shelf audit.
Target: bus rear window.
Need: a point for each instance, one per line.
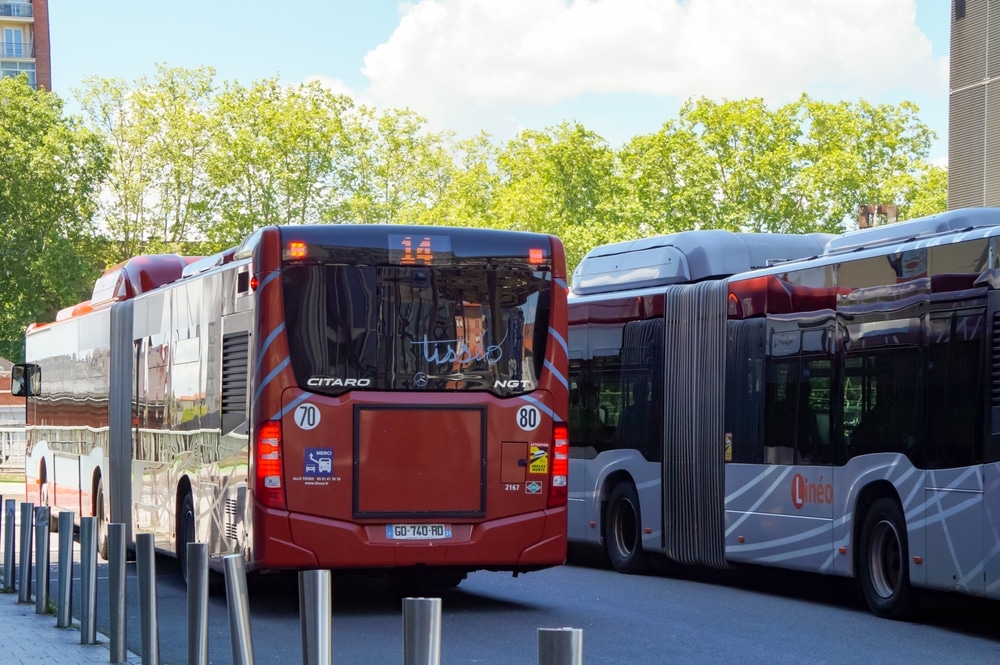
(450, 328)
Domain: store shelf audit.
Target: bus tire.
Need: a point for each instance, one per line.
(102, 520)
(884, 571)
(623, 530)
(185, 531)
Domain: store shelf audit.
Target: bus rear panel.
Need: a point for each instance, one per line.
(409, 391)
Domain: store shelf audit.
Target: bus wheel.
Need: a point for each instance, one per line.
(185, 531)
(623, 530)
(102, 520)
(884, 572)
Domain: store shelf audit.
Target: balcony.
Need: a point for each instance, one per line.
(16, 50)
(16, 9)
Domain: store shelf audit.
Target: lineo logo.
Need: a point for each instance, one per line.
(804, 492)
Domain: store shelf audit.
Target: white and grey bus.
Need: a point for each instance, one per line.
(837, 413)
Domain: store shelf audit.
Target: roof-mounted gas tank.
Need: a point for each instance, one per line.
(139, 275)
(688, 256)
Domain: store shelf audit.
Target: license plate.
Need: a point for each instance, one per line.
(417, 531)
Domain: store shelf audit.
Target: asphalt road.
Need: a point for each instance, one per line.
(684, 616)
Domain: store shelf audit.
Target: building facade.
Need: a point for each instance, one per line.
(24, 41)
(974, 104)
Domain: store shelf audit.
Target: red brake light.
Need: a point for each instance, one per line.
(559, 476)
(297, 249)
(268, 474)
(535, 256)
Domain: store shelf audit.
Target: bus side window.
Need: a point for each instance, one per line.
(796, 395)
(780, 413)
(607, 402)
(890, 419)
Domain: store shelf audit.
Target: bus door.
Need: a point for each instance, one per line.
(954, 480)
(780, 508)
(991, 466)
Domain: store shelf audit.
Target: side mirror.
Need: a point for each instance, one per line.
(25, 380)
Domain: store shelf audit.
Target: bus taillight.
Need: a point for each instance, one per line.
(268, 460)
(558, 490)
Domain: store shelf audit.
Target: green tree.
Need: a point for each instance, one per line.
(561, 181)
(927, 194)
(802, 167)
(157, 195)
(400, 169)
(664, 178)
(51, 168)
(281, 156)
(107, 105)
(180, 101)
(859, 153)
(468, 196)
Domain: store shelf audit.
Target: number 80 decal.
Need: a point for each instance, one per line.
(528, 418)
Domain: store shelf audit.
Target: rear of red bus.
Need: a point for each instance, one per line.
(409, 399)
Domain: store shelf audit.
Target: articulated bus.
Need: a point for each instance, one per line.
(838, 414)
(333, 397)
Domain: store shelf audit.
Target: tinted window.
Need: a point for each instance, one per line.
(451, 327)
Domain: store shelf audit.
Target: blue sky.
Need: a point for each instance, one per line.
(619, 67)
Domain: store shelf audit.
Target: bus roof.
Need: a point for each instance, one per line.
(688, 256)
(953, 221)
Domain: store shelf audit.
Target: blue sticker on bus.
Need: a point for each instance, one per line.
(319, 463)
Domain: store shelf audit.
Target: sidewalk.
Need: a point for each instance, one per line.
(33, 639)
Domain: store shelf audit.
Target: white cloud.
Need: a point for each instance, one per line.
(485, 58)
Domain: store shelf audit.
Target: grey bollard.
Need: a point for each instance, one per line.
(197, 603)
(239, 609)
(145, 559)
(41, 559)
(88, 580)
(64, 592)
(560, 646)
(421, 631)
(316, 617)
(116, 591)
(24, 574)
(10, 511)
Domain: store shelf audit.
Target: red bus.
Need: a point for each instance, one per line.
(332, 397)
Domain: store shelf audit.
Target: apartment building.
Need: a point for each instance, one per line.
(24, 41)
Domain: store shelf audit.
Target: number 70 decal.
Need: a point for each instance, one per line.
(307, 416)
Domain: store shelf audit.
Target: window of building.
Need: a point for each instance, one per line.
(13, 68)
(13, 43)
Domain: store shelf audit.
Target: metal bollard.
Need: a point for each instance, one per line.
(421, 631)
(88, 580)
(197, 603)
(560, 646)
(145, 558)
(239, 609)
(10, 511)
(316, 617)
(116, 590)
(24, 574)
(41, 559)
(64, 593)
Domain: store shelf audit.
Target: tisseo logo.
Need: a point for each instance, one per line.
(804, 492)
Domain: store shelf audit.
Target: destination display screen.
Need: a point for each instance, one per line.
(419, 250)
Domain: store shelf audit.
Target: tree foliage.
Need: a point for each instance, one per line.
(281, 155)
(194, 166)
(50, 172)
(803, 167)
(157, 195)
